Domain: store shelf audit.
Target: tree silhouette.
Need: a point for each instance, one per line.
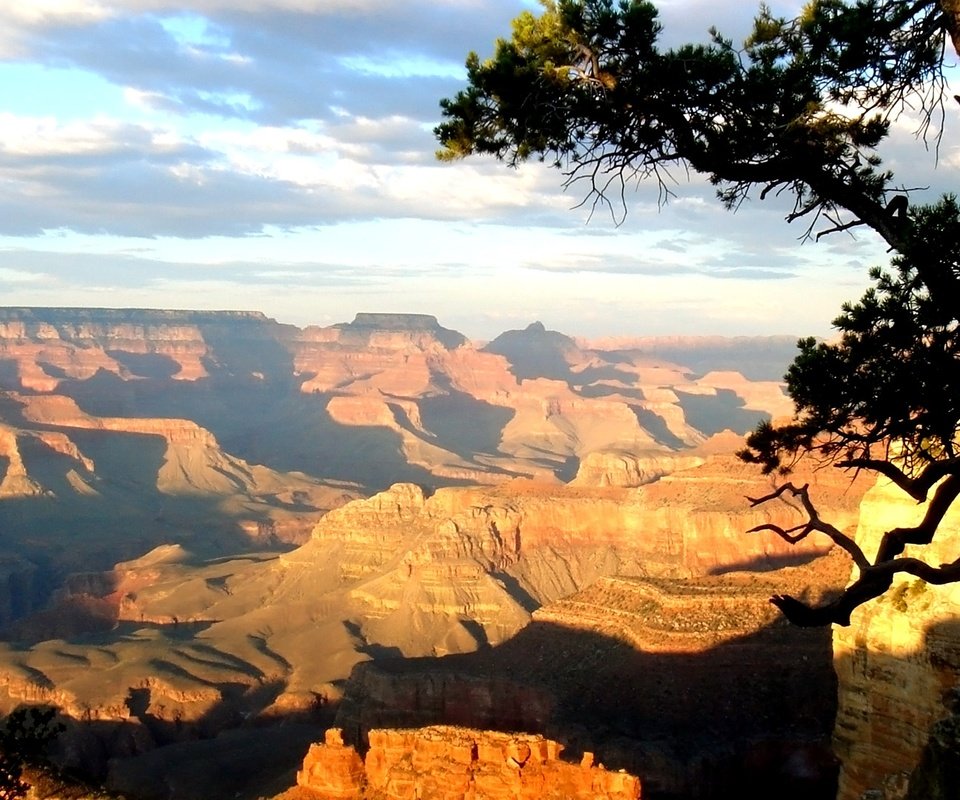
(798, 110)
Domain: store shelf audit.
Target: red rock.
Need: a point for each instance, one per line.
(332, 769)
(450, 763)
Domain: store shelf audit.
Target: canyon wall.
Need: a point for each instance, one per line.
(46, 346)
(384, 398)
(687, 523)
(898, 663)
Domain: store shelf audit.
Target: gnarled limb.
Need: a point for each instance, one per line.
(894, 541)
(917, 487)
(872, 583)
(837, 612)
(875, 578)
(814, 523)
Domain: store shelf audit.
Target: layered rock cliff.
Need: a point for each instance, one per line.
(458, 764)
(898, 663)
(618, 468)
(49, 345)
(214, 434)
(458, 571)
(688, 523)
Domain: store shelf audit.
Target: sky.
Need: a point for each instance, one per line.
(278, 156)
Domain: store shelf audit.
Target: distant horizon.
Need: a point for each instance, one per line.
(580, 338)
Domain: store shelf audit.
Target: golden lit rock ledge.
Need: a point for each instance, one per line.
(451, 763)
(898, 663)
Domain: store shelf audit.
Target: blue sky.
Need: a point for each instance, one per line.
(277, 155)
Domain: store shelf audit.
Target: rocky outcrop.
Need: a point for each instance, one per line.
(688, 523)
(536, 352)
(458, 764)
(898, 661)
(665, 616)
(333, 770)
(617, 468)
(14, 480)
(192, 463)
(768, 396)
(393, 330)
(64, 412)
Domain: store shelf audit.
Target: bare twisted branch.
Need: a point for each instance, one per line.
(874, 578)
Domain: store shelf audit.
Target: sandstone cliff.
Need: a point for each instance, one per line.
(14, 480)
(899, 660)
(618, 468)
(48, 345)
(458, 764)
(211, 434)
(454, 572)
(688, 523)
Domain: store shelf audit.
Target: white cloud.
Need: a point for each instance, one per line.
(38, 137)
(16, 276)
(48, 11)
(271, 131)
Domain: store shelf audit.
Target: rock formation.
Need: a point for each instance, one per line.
(457, 764)
(898, 663)
(629, 470)
(536, 352)
(454, 572)
(688, 523)
(49, 345)
(333, 770)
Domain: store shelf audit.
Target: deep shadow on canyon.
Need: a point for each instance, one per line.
(272, 423)
(691, 725)
(750, 718)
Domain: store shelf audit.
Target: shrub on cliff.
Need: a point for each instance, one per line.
(799, 110)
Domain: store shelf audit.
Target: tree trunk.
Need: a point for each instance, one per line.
(951, 12)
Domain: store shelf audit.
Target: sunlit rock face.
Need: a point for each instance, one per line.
(688, 523)
(48, 345)
(898, 662)
(617, 468)
(172, 455)
(456, 764)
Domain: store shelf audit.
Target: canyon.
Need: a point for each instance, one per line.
(223, 535)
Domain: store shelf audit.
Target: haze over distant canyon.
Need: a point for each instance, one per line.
(222, 535)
